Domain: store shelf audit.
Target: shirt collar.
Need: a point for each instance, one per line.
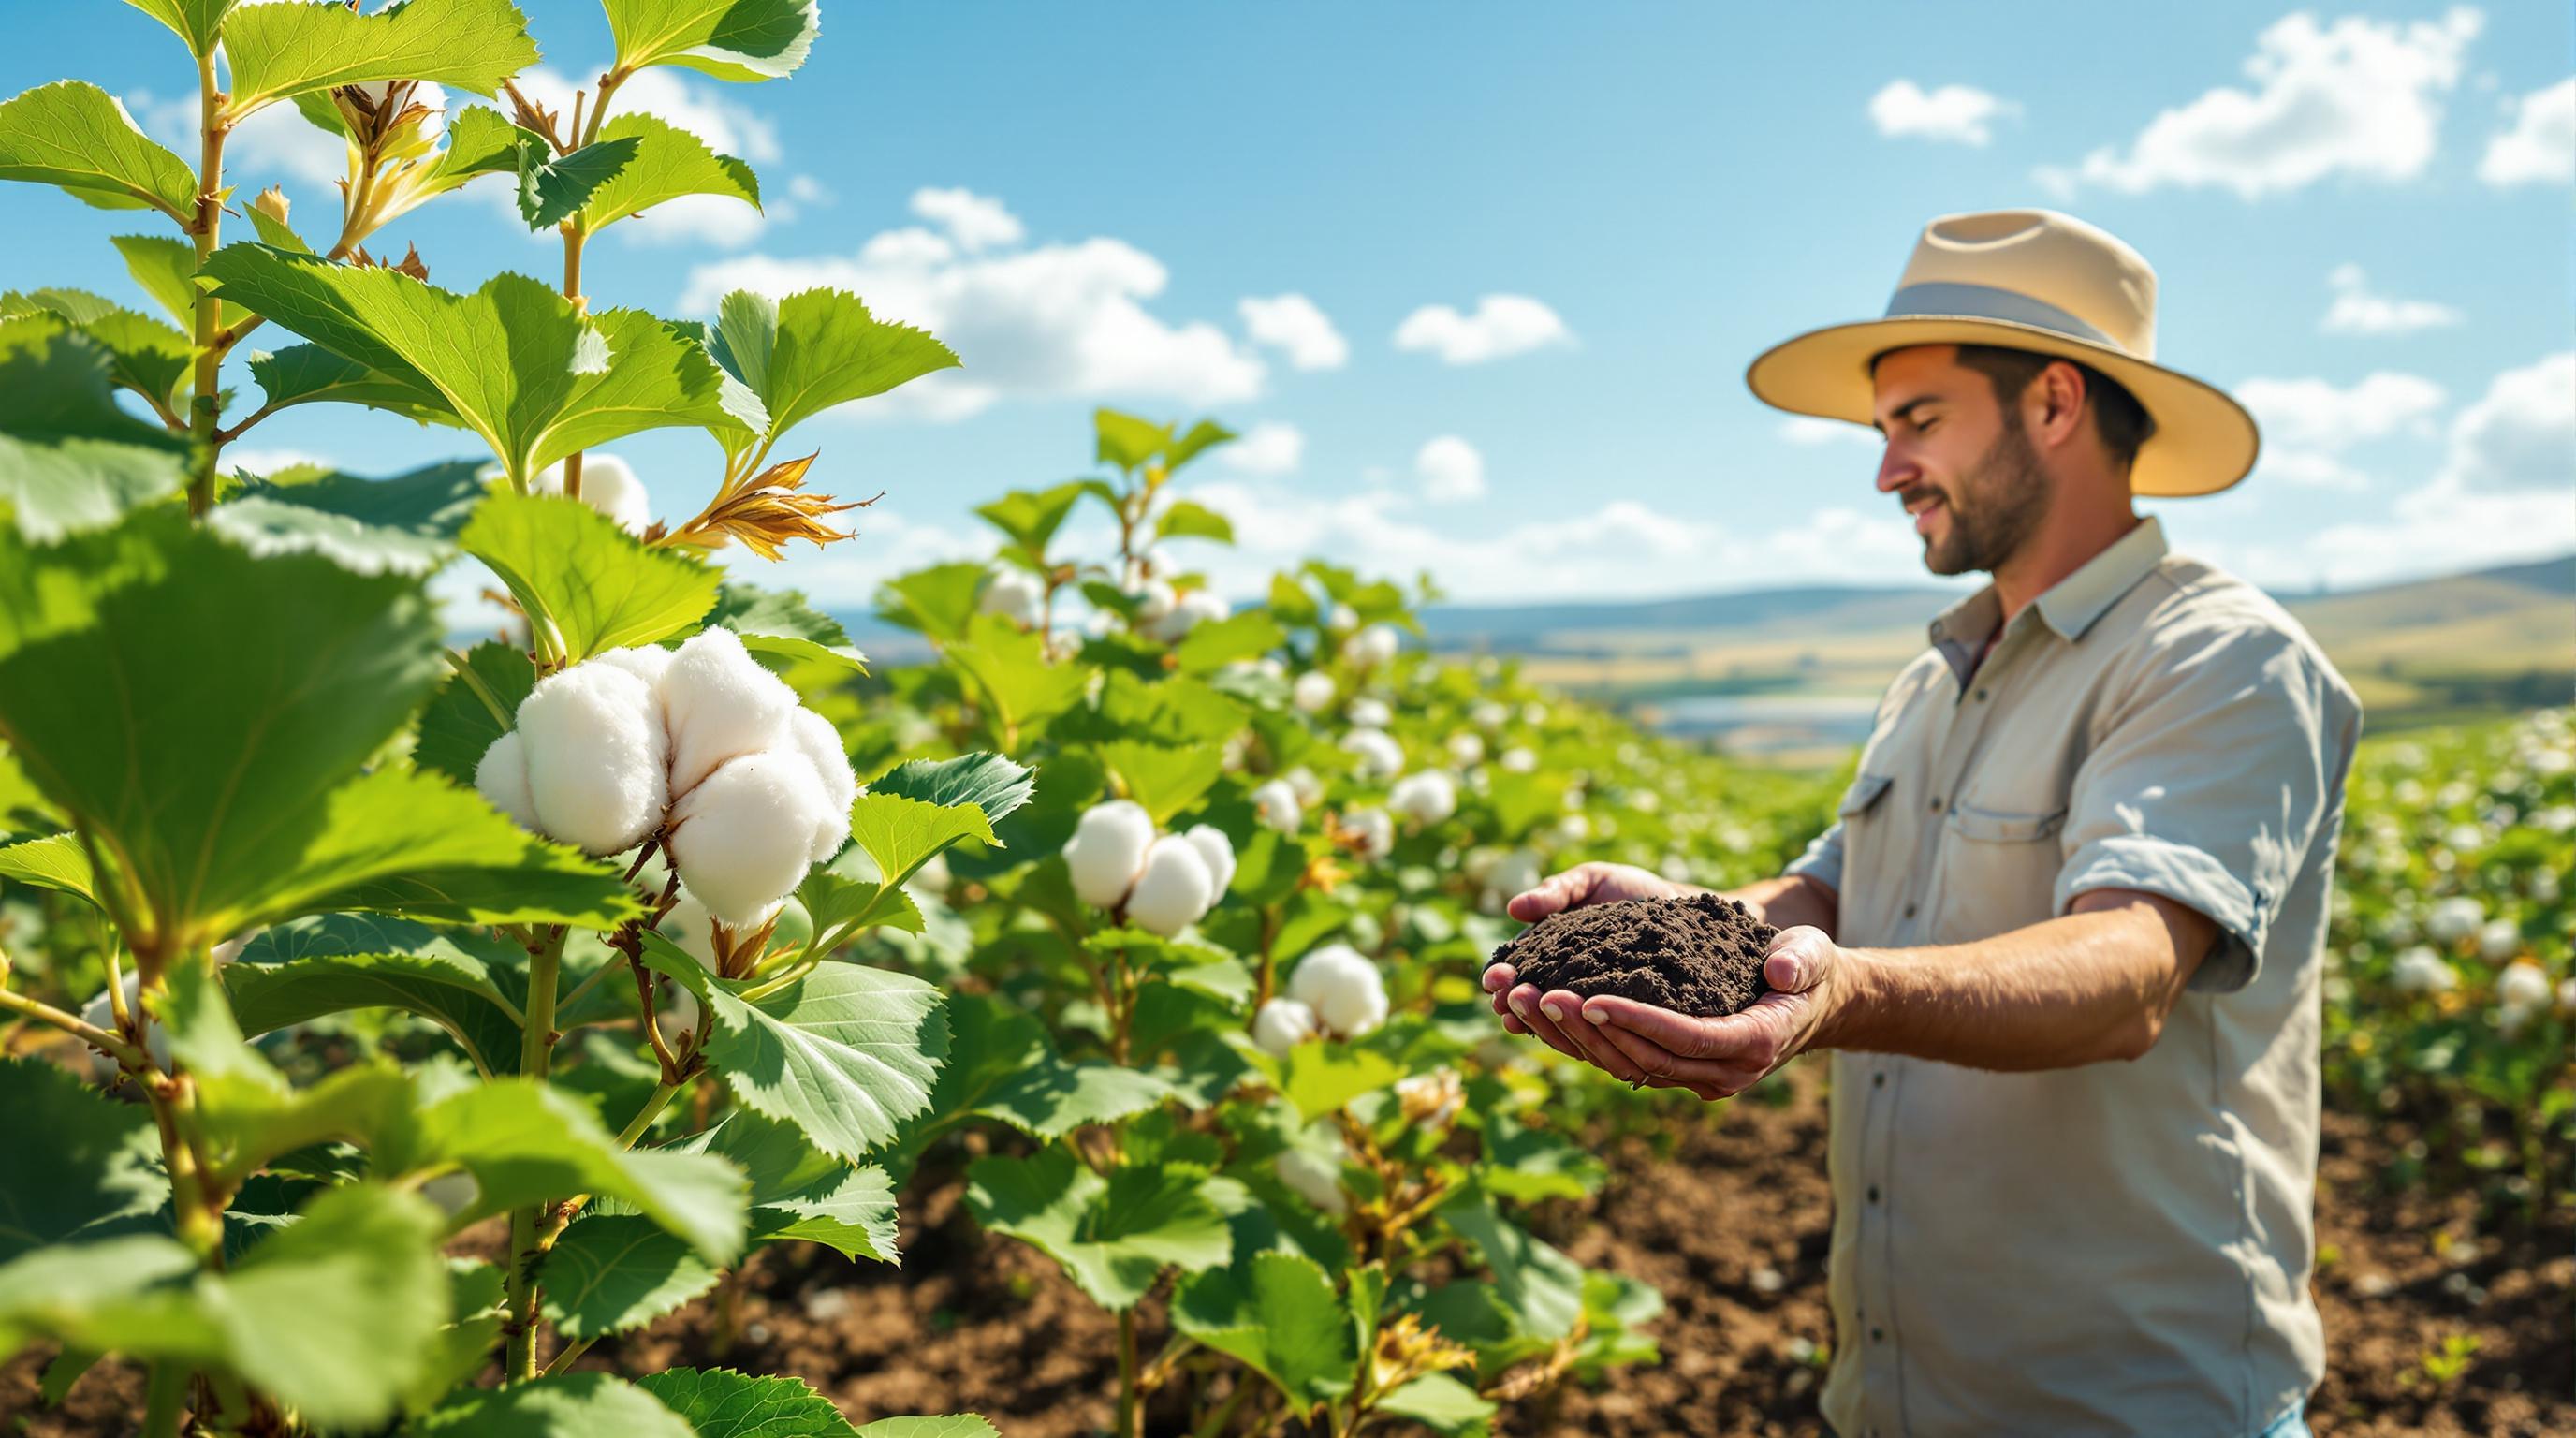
(2073, 604)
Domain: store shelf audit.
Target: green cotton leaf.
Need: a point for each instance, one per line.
(800, 1192)
(462, 980)
(609, 1273)
(1168, 711)
(1031, 517)
(844, 1053)
(514, 361)
(1128, 441)
(74, 135)
(527, 1143)
(479, 142)
(990, 782)
(1188, 519)
(1540, 1287)
(81, 1166)
(1439, 1402)
(1002, 1066)
(780, 622)
(475, 1314)
(53, 862)
(288, 49)
(587, 585)
(819, 348)
(1529, 1164)
(310, 374)
(558, 1405)
(840, 906)
(198, 22)
(166, 269)
(1011, 672)
(1210, 647)
(936, 601)
(1164, 778)
(404, 525)
(746, 40)
(900, 835)
(147, 356)
(952, 1425)
(1203, 436)
(666, 163)
(274, 231)
(1113, 1235)
(552, 187)
(1279, 1316)
(70, 458)
(720, 1403)
(1320, 1077)
(473, 709)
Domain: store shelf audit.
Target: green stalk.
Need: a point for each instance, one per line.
(204, 404)
(169, 1384)
(1130, 1407)
(527, 1249)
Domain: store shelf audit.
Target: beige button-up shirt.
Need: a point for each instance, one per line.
(2121, 1248)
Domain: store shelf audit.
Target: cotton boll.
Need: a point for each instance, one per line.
(1373, 646)
(744, 837)
(1467, 749)
(230, 949)
(1429, 797)
(1173, 888)
(607, 485)
(1518, 760)
(1275, 803)
(1374, 829)
(1343, 988)
(1381, 758)
(1312, 693)
(820, 744)
(1316, 1177)
(2453, 920)
(2419, 970)
(501, 777)
(1217, 851)
(596, 757)
(1107, 848)
(1490, 715)
(1370, 713)
(1515, 873)
(1015, 594)
(1342, 619)
(1193, 609)
(721, 705)
(1433, 1099)
(648, 662)
(2523, 986)
(2499, 940)
(1282, 1024)
(689, 926)
(1302, 782)
(1154, 601)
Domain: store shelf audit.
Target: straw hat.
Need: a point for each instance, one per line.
(2027, 280)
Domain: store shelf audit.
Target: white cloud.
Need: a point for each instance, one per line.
(1959, 114)
(276, 146)
(1502, 326)
(2540, 148)
(2308, 469)
(1269, 447)
(2314, 414)
(2357, 311)
(1293, 325)
(1054, 320)
(2519, 435)
(888, 543)
(975, 222)
(264, 462)
(1807, 429)
(2357, 97)
(1450, 469)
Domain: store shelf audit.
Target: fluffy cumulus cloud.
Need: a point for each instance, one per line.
(1957, 114)
(1808, 430)
(2520, 435)
(1294, 326)
(1502, 326)
(2316, 414)
(1450, 469)
(1030, 320)
(2358, 310)
(2538, 147)
(277, 146)
(2357, 97)
(1270, 447)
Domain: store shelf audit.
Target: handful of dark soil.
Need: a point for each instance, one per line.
(1699, 955)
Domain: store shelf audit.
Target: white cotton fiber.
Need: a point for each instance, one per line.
(1217, 851)
(1343, 988)
(1282, 1024)
(1276, 804)
(744, 837)
(720, 705)
(1173, 888)
(596, 757)
(607, 485)
(648, 662)
(814, 737)
(502, 779)
(1107, 848)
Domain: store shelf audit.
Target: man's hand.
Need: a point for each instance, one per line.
(1714, 1058)
(1592, 884)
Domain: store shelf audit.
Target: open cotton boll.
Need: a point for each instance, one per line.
(721, 705)
(1341, 619)
(2453, 920)
(1343, 988)
(1315, 1175)
(1371, 713)
(1467, 748)
(1281, 1025)
(2523, 986)
(1154, 600)
(1374, 829)
(607, 485)
(1517, 760)
(1431, 1099)
(820, 743)
(1430, 796)
(1217, 851)
(648, 662)
(1276, 805)
(1381, 758)
(2419, 970)
(501, 777)
(2499, 940)
(1107, 848)
(596, 757)
(744, 837)
(1173, 888)
(1302, 781)
(1193, 609)
(1013, 593)
(1313, 692)
(1373, 646)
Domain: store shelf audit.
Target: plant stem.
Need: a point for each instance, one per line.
(169, 1384)
(205, 404)
(1130, 1409)
(536, 1050)
(79, 1028)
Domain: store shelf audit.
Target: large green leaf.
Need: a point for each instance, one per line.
(612, 1272)
(559, 1405)
(310, 374)
(1538, 1285)
(1001, 1065)
(936, 601)
(243, 690)
(81, 1166)
(720, 1403)
(146, 355)
(1113, 1235)
(70, 459)
(816, 349)
(990, 782)
(552, 187)
(196, 21)
(515, 361)
(587, 586)
(1320, 1077)
(459, 979)
(52, 862)
(287, 49)
(1210, 647)
(729, 39)
(845, 1053)
(407, 524)
(800, 1192)
(473, 709)
(1441, 1403)
(1279, 1316)
(73, 134)
(951, 1425)
(1128, 441)
(1164, 778)
(1011, 672)
(668, 163)
(165, 268)
(1031, 517)
(779, 622)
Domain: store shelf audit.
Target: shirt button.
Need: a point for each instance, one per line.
(1873, 1193)
(1878, 1335)
(1909, 911)
(1878, 1080)
(1936, 803)
(1981, 696)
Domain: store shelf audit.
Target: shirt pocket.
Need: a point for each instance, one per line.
(1999, 871)
(1862, 818)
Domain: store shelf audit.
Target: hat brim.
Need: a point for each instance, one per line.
(2204, 440)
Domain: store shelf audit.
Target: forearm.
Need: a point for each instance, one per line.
(2089, 986)
(1789, 901)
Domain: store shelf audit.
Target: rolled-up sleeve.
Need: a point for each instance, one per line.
(1823, 861)
(2206, 781)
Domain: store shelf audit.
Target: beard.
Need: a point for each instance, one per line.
(1993, 508)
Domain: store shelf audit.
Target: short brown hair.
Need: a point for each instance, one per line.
(2123, 423)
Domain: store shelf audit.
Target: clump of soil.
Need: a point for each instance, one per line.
(1699, 955)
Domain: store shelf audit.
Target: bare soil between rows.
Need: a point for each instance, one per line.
(978, 1324)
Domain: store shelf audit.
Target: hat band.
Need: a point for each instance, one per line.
(1951, 299)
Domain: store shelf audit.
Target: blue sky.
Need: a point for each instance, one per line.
(1659, 191)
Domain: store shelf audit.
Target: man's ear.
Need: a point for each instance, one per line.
(2053, 406)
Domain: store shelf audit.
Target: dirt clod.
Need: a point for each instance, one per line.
(1699, 955)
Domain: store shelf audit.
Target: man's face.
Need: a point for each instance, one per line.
(1957, 460)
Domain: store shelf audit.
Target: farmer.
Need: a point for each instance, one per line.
(2063, 939)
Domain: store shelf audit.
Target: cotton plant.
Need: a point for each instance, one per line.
(1426, 797)
(1276, 805)
(1377, 757)
(1161, 883)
